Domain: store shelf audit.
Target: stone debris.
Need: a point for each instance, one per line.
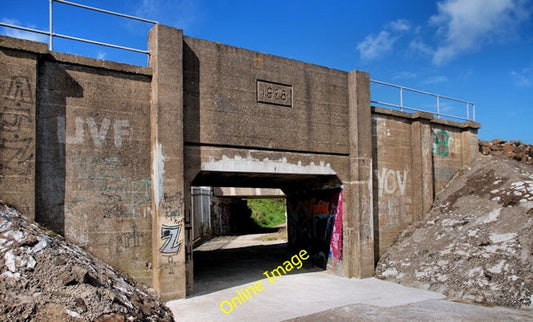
(512, 149)
(44, 278)
(476, 244)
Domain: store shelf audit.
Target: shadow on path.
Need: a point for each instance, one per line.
(219, 269)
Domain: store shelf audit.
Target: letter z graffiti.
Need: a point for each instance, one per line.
(170, 235)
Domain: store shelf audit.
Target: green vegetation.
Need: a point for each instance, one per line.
(267, 212)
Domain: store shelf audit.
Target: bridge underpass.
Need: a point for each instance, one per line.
(105, 154)
(243, 255)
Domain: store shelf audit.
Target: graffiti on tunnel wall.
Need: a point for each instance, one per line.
(440, 146)
(391, 196)
(446, 144)
(335, 253)
(312, 219)
(16, 123)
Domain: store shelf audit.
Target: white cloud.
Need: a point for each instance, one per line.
(180, 14)
(400, 25)
(16, 33)
(375, 46)
(435, 80)
(524, 77)
(417, 46)
(405, 75)
(466, 25)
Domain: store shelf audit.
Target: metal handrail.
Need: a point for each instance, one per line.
(470, 113)
(51, 34)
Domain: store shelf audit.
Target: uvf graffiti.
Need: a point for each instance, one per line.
(97, 132)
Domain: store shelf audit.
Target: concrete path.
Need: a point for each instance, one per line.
(302, 295)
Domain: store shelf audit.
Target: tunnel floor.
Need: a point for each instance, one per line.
(228, 261)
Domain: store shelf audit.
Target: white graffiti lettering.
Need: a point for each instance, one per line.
(98, 133)
(170, 234)
(391, 181)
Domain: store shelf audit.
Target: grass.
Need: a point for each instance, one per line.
(267, 212)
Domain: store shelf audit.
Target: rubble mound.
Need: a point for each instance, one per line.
(512, 149)
(476, 244)
(45, 278)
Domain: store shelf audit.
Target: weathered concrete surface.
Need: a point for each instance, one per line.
(106, 153)
(18, 90)
(298, 295)
(414, 156)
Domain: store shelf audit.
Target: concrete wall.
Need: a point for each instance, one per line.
(257, 100)
(414, 157)
(78, 132)
(18, 90)
(106, 153)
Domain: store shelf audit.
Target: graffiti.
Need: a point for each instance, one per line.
(171, 245)
(390, 212)
(170, 264)
(391, 181)
(311, 223)
(441, 146)
(98, 133)
(16, 126)
(130, 239)
(170, 236)
(335, 253)
(172, 207)
(121, 195)
(220, 217)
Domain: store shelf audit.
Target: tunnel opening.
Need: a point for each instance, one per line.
(232, 249)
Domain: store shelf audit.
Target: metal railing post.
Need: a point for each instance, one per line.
(401, 98)
(438, 107)
(51, 25)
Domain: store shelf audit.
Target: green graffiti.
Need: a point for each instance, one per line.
(441, 144)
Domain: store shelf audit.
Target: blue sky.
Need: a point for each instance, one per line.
(475, 50)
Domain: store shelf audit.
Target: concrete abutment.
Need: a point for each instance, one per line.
(106, 153)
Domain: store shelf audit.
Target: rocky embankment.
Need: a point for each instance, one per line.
(44, 278)
(512, 149)
(476, 244)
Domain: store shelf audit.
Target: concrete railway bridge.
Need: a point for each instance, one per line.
(106, 154)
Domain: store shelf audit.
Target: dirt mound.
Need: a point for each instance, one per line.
(512, 149)
(476, 244)
(45, 278)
